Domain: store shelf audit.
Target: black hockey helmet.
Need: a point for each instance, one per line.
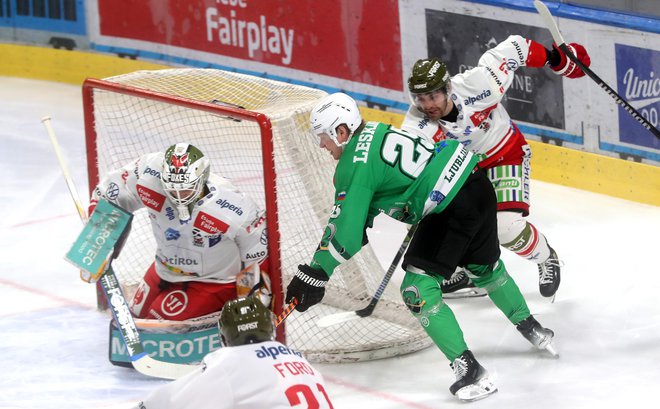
(245, 321)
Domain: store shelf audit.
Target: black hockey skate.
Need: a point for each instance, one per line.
(549, 275)
(538, 336)
(472, 381)
(460, 286)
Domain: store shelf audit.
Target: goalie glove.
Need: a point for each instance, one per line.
(307, 286)
(563, 65)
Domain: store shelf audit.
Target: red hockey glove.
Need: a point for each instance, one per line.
(562, 65)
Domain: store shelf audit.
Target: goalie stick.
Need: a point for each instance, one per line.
(559, 40)
(142, 362)
(340, 317)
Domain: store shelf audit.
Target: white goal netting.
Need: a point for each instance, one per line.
(122, 125)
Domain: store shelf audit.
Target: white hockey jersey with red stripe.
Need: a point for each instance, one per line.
(483, 124)
(226, 230)
(264, 375)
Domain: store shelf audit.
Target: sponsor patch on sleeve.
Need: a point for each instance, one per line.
(150, 198)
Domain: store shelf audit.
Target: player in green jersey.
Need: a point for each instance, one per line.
(382, 169)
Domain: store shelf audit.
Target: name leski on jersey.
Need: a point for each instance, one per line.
(364, 142)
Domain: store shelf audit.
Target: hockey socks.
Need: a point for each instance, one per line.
(423, 297)
(502, 290)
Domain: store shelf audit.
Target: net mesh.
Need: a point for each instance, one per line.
(126, 127)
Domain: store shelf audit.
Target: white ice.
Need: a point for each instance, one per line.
(54, 342)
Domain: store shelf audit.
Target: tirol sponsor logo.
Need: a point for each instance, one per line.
(181, 261)
(150, 198)
(209, 224)
(472, 99)
(225, 204)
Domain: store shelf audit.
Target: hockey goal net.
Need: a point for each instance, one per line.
(255, 132)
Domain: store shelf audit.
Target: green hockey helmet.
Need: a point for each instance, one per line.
(246, 321)
(184, 175)
(428, 75)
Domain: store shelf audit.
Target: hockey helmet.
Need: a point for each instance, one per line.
(184, 175)
(245, 321)
(334, 110)
(428, 75)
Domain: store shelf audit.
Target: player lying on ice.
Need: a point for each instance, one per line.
(252, 370)
(467, 107)
(211, 242)
(382, 169)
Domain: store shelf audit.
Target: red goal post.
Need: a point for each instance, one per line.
(255, 132)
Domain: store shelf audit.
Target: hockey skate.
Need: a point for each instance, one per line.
(460, 286)
(538, 336)
(549, 275)
(472, 381)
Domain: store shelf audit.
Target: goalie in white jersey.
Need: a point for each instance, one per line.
(467, 107)
(250, 371)
(211, 239)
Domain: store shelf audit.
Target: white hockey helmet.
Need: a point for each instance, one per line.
(334, 110)
(184, 175)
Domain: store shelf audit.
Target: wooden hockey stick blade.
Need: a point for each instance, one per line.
(557, 37)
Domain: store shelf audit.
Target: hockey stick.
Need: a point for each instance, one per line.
(286, 312)
(142, 362)
(559, 40)
(340, 317)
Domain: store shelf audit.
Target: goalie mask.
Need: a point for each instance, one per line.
(332, 111)
(245, 321)
(184, 175)
(428, 76)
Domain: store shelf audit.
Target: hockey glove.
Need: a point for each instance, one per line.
(562, 65)
(307, 286)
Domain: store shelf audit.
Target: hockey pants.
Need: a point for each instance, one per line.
(422, 295)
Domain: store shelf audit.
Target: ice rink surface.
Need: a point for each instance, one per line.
(53, 341)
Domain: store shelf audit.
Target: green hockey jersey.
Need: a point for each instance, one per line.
(387, 170)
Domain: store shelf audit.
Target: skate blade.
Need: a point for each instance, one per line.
(463, 293)
(482, 389)
(553, 351)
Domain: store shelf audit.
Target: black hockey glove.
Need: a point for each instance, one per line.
(307, 286)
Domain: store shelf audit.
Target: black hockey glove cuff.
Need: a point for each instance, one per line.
(307, 286)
